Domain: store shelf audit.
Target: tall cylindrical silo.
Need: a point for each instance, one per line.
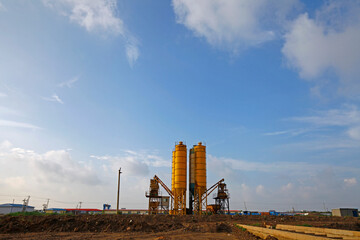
(200, 178)
(200, 166)
(180, 179)
(173, 172)
(180, 166)
(191, 178)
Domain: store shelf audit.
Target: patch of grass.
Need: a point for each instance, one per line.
(241, 228)
(26, 214)
(256, 224)
(304, 225)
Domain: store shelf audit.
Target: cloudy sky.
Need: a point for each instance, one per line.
(271, 86)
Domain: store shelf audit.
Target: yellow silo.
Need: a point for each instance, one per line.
(173, 172)
(200, 166)
(180, 168)
(200, 177)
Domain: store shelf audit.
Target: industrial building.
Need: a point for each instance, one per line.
(345, 212)
(55, 210)
(83, 210)
(198, 192)
(12, 208)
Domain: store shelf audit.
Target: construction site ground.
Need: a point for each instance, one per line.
(154, 226)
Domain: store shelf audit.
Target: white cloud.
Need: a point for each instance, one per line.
(2, 7)
(293, 132)
(69, 83)
(8, 111)
(5, 144)
(295, 168)
(95, 15)
(99, 16)
(348, 116)
(287, 187)
(9, 123)
(135, 163)
(51, 166)
(354, 133)
(3, 94)
(350, 181)
(260, 189)
(244, 187)
(132, 53)
(234, 24)
(66, 180)
(277, 133)
(58, 165)
(305, 191)
(14, 182)
(54, 98)
(327, 44)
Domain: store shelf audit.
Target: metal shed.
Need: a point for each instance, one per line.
(12, 208)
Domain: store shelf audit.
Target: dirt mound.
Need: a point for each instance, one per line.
(270, 238)
(223, 227)
(96, 223)
(159, 223)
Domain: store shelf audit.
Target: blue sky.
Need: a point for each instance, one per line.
(271, 87)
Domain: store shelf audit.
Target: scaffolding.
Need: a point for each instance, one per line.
(222, 199)
(157, 202)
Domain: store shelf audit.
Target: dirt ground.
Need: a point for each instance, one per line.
(152, 227)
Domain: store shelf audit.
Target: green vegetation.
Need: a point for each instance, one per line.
(26, 214)
(256, 224)
(304, 225)
(38, 214)
(241, 228)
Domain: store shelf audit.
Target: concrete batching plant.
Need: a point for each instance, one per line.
(198, 191)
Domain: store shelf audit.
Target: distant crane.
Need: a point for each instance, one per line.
(78, 206)
(46, 205)
(26, 203)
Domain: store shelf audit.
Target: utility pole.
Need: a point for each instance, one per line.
(12, 205)
(325, 209)
(245, 206)
(118, 193)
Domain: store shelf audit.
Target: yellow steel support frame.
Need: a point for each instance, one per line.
(179, 202)
(198, 200)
